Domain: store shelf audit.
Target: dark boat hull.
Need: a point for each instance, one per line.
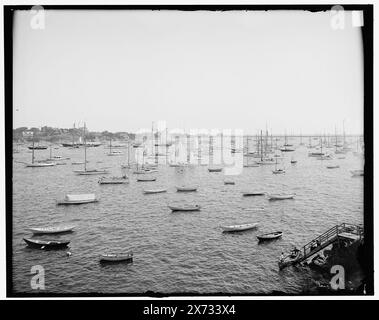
(46, 244)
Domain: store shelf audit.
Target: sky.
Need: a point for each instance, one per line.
(287, 71)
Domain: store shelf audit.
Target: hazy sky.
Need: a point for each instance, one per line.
(121, 70)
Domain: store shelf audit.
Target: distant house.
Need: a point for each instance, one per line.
(27, 134)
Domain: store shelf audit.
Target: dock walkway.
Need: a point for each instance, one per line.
(344, 231)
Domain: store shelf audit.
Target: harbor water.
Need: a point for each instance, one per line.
(177, 252)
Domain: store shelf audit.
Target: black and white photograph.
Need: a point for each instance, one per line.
(189, 150)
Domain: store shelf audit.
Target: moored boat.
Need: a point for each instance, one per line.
(119, 257)
(333, 166)
(270, 236)
(78, 199)
(146, 179)
(214, 169)
(37, 147)
(47, 244)
(239, 227)
(254, 193)
(186, 189)
(152, 191)
(291, 259)
(90, 172)
(281, 196)
(114, 180)
(40, 164)
(185, 208)
(51, 230)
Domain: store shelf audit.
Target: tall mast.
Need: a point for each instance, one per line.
(85, 148)
(128, 152)
(33, 148)
(261, 147)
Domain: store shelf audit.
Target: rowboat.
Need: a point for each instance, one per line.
(185, 208)
(151, 191)
(286, 149)
(270, 236)
(78, 199)
(254, 193)
(40, 164)
(186, 189)
(292, 258)
(37, 147)
(145, 179)
(46, 244)
(281, 196)
(214, 169)
(239, 227)
(77, 162)
(113, 180)
(332, 167)
(52, 230)
(90, 172)
(127, 257)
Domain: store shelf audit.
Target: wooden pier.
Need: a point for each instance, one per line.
(344, 232)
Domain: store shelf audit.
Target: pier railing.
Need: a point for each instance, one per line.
(329, 237)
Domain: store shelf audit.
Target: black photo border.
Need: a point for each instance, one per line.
(367, 37)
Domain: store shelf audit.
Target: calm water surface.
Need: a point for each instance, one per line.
(177, 252)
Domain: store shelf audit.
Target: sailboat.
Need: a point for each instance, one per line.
(264, 161)
(278, 171)
(86, 171)
(38, 164)
(127, 166)
(113, 152)
(247, 164)
(286, 147)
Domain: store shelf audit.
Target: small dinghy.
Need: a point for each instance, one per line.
(281, 196)
(270, 236)
(185, 208)
(291, 259)
(114, 180)
(46, 244)
(78, 199)
(75, 163)
(214, 169)
(152, 191)
(40, 164)
(239, 227)
(123, 257)
(333, 167)
(146, 179)
(90, 172)
(251, 165)
(51, 230)
(254, 193)
(186, 189)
